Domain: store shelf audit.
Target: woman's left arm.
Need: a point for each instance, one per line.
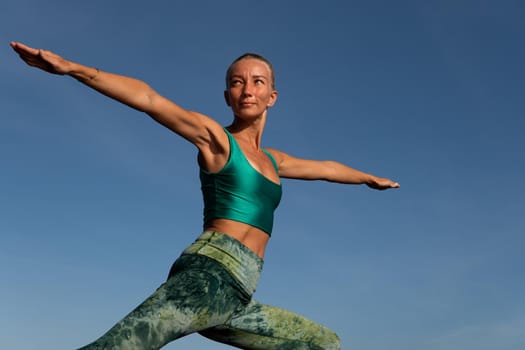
(328, 170)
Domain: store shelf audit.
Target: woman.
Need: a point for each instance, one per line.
(210, 286)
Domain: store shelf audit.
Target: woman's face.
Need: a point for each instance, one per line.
(250, 88)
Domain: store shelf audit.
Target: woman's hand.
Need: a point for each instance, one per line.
(43, 59)
(378, 183)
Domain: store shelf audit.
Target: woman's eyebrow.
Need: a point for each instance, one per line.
(257, 76)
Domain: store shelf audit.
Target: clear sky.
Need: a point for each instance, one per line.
(96, 200)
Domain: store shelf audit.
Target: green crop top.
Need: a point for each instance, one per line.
(239, 192)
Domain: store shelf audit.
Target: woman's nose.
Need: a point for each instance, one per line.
(248, 89)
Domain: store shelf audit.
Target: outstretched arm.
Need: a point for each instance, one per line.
(193, 126)
(304, 169)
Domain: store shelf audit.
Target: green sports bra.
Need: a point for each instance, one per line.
(239, 192)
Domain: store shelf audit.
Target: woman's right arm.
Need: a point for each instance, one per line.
(195, 127)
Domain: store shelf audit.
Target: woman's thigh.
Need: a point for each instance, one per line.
(259, 326)
(190, 301)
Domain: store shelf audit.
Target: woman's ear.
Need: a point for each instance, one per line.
(227, 98)
(273, 98)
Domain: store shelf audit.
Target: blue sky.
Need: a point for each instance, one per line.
(96, 200)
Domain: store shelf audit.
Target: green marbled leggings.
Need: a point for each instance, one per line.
(209, 291)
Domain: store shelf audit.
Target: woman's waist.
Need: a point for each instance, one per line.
(241, 262)
(252, 237)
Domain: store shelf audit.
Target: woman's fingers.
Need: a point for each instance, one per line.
(383, 184)
(24, 49)
(39, 58)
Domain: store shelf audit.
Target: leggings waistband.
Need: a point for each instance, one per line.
(242, 263)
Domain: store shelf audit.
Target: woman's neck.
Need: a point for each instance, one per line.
(248, 132)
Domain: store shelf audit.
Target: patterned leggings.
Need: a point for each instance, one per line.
(209, 291)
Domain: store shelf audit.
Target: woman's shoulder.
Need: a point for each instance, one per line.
(214, 149)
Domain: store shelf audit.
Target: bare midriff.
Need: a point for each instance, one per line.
(253, 238)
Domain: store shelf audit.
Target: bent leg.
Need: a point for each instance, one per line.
(263, 327)
(191, 300)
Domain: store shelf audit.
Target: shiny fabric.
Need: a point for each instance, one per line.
(239, 192)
